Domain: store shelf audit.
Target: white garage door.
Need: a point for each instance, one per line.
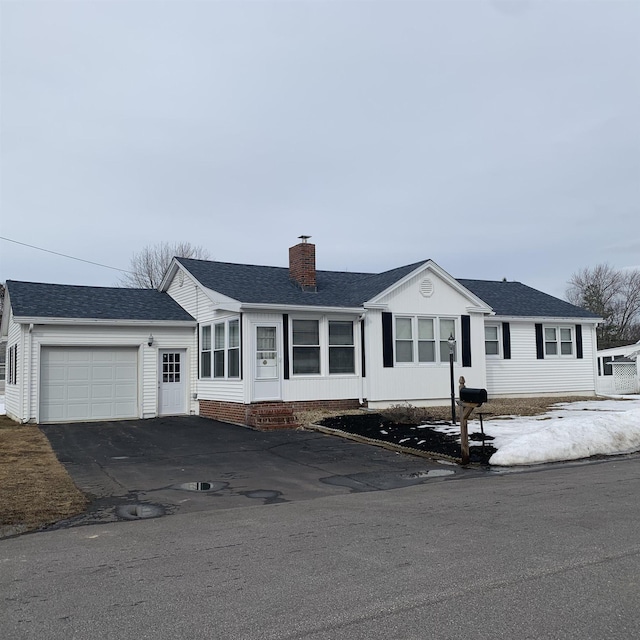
(78, 384)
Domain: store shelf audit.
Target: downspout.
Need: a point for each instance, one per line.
(30, 360)
(362, 356)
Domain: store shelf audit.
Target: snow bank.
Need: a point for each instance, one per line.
(567, 435)
(2, 410)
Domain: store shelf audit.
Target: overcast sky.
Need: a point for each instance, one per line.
(499, 138)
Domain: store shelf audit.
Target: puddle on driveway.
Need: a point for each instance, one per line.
(200, 486)
(139, 511)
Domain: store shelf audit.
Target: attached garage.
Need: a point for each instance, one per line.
(80, 384)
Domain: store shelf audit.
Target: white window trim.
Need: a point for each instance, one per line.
(436, 338)
(499, 355)
(225, 349)
(559, 342)
(323, 337)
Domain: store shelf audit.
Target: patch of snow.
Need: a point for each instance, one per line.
(404, 440)
(567, 432)
(2, 409)
(384, 432)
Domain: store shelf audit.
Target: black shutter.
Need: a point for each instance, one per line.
(363, 364)
(466, 341)
(579, 341)
(285, 344)
(387, 339)
(539, 342)
(506, 341)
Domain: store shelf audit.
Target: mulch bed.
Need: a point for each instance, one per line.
(420, 436)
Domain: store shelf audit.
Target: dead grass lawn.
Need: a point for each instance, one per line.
(35, 488)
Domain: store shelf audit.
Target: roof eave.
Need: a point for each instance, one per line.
(573, 319)
(103, 321)
(297, 308)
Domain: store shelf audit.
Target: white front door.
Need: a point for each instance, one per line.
(172, 387)
(266, 369)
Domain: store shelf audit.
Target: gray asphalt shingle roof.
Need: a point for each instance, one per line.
(265, 285)
(41, 300)
(271, 285)
(517, 299)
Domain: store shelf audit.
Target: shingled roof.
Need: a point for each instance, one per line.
(517, 299)
(272, 285)
(40, 300)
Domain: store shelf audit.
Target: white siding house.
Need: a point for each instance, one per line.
(253, 344)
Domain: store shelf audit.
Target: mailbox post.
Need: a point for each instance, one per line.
(469, 400)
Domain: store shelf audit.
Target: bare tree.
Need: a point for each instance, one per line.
(147, 267)
(612, 294)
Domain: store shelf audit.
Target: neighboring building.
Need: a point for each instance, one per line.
(619, 370)
(252, 344)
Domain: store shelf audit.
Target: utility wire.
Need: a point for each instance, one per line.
(64, 255)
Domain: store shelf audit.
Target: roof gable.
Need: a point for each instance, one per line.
(42, 300)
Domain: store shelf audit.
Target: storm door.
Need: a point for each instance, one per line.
(266, 379)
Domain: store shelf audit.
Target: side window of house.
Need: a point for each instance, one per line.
(558, 341)
(205, 352)
(12, 377)
(341, 347)
(233, 355)
(491, 341)
(305, 341)
(218, 349)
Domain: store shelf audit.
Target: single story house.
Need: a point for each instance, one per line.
(619, 370)
(254, 344)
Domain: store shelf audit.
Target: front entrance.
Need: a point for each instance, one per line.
(266, 369)
(172, 387)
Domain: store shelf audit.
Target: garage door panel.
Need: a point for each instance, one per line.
(78, 384)
(102, 372)
(78, 373)
(74, 392)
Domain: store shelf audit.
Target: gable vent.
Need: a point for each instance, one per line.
(426, 288)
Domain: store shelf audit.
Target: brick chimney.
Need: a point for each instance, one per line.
(302, 264)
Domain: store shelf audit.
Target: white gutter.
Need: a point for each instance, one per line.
(254, 306)
(104, 321)
(546, 319)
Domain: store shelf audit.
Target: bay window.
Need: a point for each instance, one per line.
(205, 352)
(220, 349)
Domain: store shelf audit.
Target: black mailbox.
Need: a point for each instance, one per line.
(473, 396)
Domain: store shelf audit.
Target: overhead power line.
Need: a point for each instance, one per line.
(64, 255)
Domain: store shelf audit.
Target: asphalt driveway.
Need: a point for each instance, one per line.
(162, 466)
